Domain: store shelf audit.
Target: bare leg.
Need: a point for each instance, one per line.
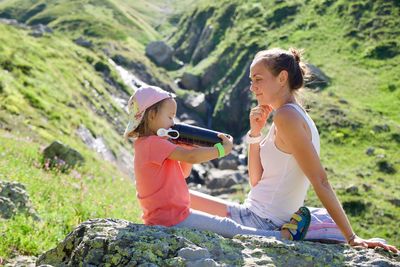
(206, 203)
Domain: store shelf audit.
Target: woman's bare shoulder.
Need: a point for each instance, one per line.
(287, 115)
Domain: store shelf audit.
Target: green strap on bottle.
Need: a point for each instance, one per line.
(221, 150)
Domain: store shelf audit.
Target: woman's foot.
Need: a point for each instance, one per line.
(297, 228)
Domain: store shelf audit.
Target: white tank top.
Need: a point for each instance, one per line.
(283, 185)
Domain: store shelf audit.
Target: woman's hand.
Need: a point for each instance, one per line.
(258, 118)
(359, 242)
(227, 142)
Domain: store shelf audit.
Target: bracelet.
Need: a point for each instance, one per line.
(351, 238)
(253, 140)
(221, 150)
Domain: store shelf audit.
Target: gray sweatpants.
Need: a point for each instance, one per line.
(223, 226)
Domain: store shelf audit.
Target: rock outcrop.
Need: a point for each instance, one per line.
(61, 156)
(111, 242)
(160, 53)
(15, 200)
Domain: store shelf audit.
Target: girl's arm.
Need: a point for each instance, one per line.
(291, 130)
(201, 154)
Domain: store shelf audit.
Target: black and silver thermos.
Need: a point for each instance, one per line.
(195, 136)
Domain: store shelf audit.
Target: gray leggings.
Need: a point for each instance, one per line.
(223, 226)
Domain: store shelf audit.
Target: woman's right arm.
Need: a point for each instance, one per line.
(258, 118)
(254, 164)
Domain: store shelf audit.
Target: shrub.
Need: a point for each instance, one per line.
(384, 50)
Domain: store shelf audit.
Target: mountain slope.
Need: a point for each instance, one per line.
(339, 36)
(356, 44)
(53, 89)
(50, 86)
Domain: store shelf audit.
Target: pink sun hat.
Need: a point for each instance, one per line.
(142, 99)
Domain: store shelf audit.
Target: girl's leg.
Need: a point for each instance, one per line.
(223, 226)
(209, 204)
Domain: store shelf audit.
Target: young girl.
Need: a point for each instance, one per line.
(161, 168)
(284, 163)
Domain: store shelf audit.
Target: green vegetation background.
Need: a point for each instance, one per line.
(49, 86)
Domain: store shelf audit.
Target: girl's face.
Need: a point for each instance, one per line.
(164, 118)
(264, 85)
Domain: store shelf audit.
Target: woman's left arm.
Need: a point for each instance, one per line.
(290, 127)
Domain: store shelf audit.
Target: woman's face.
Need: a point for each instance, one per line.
(264, 85)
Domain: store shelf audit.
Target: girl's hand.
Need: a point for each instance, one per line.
(258, 118)
(359, 242)
(227, 142)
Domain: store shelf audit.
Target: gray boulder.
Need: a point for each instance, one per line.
(223, 179)
(111, 242)
(40, 30)
(22, 261)
(190, 81)
(58, 155)
(317, 78)
(198, 173)
(7, 208)
(14, 199)
(230, 162)
(197, 103)
(160, 53)
(83, 42)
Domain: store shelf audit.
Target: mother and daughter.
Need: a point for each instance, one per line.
(281, 165)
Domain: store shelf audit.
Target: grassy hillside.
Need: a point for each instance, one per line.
(115, 27)
(356, 44)
(49, 87)
(96, 190)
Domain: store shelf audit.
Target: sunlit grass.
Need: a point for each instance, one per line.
(62, 201)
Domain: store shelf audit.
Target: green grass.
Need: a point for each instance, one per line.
(62, 201)
(49, 87)
(62, 89)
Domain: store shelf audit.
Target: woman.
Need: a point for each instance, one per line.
(282, 164)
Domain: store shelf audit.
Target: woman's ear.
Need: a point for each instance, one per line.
(283, 77)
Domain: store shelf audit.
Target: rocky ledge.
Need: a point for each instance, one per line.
(112, 242)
